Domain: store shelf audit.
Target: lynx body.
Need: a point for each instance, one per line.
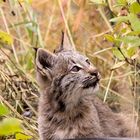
(68, 106)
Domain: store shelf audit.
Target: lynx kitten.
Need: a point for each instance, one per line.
(68, 106)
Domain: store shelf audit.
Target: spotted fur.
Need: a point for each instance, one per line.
(68, 106)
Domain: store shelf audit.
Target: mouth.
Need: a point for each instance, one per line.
(90, 82)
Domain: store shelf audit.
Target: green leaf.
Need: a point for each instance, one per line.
(133, 41)
(3, 110)
(99, 2)
(20, 136)
(131, 51)
(119, 19)
(130, 1)
(29, 1)
(109, 37)
(5, 38)
(10, 126)
(117, 65)
(133, 33)
(124, 30)
(117, 53)
(121, 2)
(135, 22)
(134, 8)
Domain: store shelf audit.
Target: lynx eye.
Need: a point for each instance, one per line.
(88, 61)
(76, 68)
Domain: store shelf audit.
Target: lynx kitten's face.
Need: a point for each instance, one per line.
(69, 75)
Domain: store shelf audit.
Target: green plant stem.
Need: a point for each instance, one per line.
(129, 61)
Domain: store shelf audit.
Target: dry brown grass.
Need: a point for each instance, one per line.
(40, 25)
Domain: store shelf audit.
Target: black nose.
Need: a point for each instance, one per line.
(95, 72)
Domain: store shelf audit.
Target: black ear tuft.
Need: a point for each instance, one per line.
(65, 44)
(61, 47)
(35, 49)
(62, 41)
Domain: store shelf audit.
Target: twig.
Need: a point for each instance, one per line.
(108, 85)
(129, 61)
(111, 29)
(50, 23)
(100, 34)
(62, 40)
(116, 93)
(105, 19)
(66, 23)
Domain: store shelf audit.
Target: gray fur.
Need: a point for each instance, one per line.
(68, 106)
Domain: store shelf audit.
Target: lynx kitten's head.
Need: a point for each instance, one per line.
(69, 75)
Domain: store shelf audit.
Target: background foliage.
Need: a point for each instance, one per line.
(106, 31)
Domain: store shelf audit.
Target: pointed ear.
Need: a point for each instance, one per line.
(44, 58)
(44, 63)
(65, 44)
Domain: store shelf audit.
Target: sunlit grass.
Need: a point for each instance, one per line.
(39, 24)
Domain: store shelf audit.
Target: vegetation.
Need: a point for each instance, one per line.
(108, 32)
(10, 126)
